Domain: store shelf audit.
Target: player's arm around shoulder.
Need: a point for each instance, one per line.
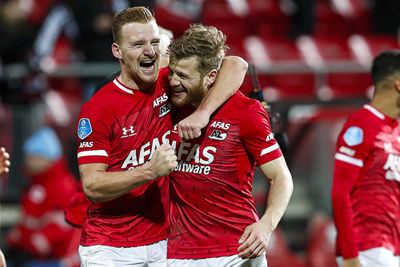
(100, 185)
(230, 78)
(256, 236)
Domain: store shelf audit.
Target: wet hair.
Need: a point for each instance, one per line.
(207, 43)
(384, 65)
(133, 14)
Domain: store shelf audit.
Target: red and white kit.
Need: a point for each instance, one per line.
(211, 201)
(367, 169)
(122, 127)
(42, 229)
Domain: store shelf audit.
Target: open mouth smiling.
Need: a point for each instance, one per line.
(147, 64)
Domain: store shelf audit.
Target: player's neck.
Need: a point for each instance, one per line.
(387, 104)
(129, 82)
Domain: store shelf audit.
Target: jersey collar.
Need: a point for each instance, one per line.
(374, 111)
(122, 87)
(381, 115)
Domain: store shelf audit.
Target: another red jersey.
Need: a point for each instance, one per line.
(122, 127)
(42, 229)
(366, 183)
(211, 201)
(75, 213)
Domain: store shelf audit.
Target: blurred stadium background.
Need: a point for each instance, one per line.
(312, 59)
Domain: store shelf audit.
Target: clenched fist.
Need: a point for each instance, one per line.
(190, 127)
(163, 161)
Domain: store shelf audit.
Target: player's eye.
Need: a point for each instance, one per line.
(138, 45)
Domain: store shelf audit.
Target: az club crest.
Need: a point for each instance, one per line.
(164, 110)
(218, 135)
(84, 128)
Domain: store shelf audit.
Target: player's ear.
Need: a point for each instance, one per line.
(115, 50)
(397, 84)
(211, 77)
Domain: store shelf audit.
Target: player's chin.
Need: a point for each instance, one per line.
(149, 78)
(177, 101)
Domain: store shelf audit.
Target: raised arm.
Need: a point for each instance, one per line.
(230, 78)
(256, 236)
(101, 185)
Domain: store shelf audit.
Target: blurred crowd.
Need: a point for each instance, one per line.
(36, 107)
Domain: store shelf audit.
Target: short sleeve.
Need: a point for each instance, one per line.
(94, 138)
(257, 135)
(353, 144)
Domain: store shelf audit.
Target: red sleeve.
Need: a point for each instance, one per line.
(257, 135)
(93, 135)
(344, 178)
(352, 148)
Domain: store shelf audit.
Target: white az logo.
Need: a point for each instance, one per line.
(218, 135)
(125, 132)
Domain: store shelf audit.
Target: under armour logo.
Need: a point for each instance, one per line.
(126, 131)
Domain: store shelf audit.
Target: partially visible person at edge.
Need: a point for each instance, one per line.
(76, 211)
(124, 151)
(213, 219)
(41, 233)
(4, 168)
(4, 161)
(366, 189)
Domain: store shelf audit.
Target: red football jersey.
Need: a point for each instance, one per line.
(122, 127)
(42, 206)
(211, 201)
(367, 175)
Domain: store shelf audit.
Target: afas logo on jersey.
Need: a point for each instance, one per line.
(220, 125)
(347, 151)
(160, 100)
(218, 135)
(86, 144)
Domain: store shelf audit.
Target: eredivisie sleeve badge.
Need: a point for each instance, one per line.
(84, 128)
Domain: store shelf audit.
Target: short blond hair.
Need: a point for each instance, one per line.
(205, 42)
(133, 14)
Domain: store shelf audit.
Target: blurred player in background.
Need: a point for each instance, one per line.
(213, 219)
(165, 39)
(366, 189)
(123, 148)
(41, 232)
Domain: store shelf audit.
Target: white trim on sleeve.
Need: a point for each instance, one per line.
(92, 153)
(353, 161)
(269, 149)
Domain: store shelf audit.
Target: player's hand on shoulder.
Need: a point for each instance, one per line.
(4, 161)
(190, 127)
(254, 240)
(353, 262)
(163, 161)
